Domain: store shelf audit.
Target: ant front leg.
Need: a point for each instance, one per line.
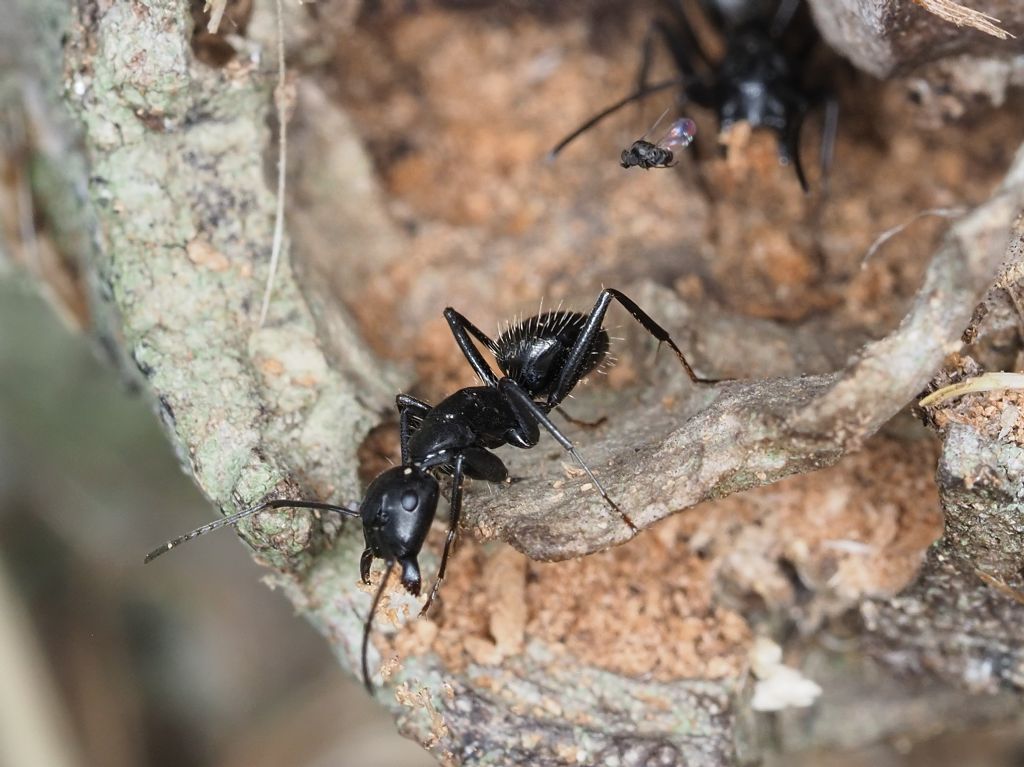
(529, 414)
(592, 327)
(453, 529)
(408, 408)
(462, 328)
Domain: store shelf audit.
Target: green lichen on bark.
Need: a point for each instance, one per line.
(184, 217)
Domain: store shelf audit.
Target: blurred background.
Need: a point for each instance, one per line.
(189, 661)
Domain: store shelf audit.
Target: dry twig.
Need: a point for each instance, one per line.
(888, 234)
(216, 10)
(986, 382)
(281, 102)
(963, 16)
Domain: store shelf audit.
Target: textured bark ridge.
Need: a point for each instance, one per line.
(170, 167)
(888, 37)
(970, 585)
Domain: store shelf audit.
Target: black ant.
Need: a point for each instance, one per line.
(757, 80)
(541, 360)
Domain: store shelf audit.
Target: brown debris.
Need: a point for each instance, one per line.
(203, 254)
(962, 16)
(504, 578)
(1001, 586)
(997, 415)
(420, 699)
(655, 606)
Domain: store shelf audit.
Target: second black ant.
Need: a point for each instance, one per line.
(758, 80)
(541, 360)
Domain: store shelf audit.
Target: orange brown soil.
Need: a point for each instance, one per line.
(458, 111)
(656, 606)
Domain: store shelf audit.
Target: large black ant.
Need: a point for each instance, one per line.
(757, 80)
(541, 359)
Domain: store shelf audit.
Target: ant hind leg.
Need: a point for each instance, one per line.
(592, 327)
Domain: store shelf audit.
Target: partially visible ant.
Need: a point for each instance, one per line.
(541, 359)
(757, 80)
(644, 154)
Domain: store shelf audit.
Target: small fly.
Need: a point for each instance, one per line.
(647, 155)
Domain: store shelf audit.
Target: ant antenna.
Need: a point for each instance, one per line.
(369, 624)
(234, 519)
(604, 493)
(635, 96)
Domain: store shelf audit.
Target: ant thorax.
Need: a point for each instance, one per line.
(533, 353)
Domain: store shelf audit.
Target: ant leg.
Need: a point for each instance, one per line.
(238, 516)
(789, 150)
(453, 528)
(829, 130)
(483, 464)
(645, 58)
(635, 96)
(365, 563)
(462, 328)
(590, 330)
(529, 411)
(408, 408)
(577, 422)
(368, 625)
(682, 42)
(679, 48)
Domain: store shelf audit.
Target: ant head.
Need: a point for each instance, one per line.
(397, 511)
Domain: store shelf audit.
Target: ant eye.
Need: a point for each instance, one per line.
(410, 500)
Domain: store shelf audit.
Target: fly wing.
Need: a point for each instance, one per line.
(680, 134)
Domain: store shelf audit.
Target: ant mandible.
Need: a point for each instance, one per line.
(757, 80)
(541, 359)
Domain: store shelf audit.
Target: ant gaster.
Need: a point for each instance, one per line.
(541, 359)
(757, 80)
